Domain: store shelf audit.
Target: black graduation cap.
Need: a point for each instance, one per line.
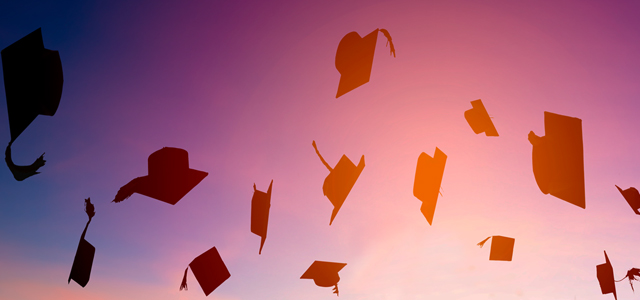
(501, 247)
(558, 161)
(354, 59)
(169, 179)
(324, 274)
(260, 204)
(426, 185)
(33, 86)
(340, 180)
(479, 120)
(604, 272)
(83, 261)
(209, 270)
(633, 198)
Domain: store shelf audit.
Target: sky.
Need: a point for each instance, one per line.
(246, 86)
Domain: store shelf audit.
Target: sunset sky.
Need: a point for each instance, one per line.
(246, 86)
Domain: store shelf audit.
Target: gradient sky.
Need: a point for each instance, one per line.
(246, 86)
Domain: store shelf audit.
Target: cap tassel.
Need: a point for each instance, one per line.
(127, 190)
(322, 159)
(631, 274)
(335, 290)
(21, 173)
(389, 42)
(483, 241)
(183, 285)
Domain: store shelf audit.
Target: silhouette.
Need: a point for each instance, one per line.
(209, 270)
(169, 179)
(82, 263)
(501, 247)
(324, 274)
(33, 86)
(558, 163)
(604, 272)
(631, 274)
(354, 59)
(479, 119)
(633, 198)
(340, 180)
(260, 204)
(426, 185)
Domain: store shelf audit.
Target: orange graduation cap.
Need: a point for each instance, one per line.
(479, 119)
(169, 179)
(604, 272)
(260, 204)
(633, 198)
(209, 270)
(33, 86)
(426, 185)
(354, 59)
(501, 247)
(324, 274)
(340, 180)
(83, 261)
(558, 162)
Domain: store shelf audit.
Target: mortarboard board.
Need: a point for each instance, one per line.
(83, 261)
(558, 159)
(169, 179)
(33, 86)
(260, 204)
(633, 198)
(479, 119)
(426, 185)
(340, 180)
(604, 272)
(354, 59)
(324, 274)
(501, 247)
(209, 270)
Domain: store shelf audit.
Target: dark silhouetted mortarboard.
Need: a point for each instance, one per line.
(604, 272)
(426, 185)
(501, 247)
(169, 179)
(479, 119)
(209, 270)
(340, 180)
(33, 86)
(633, 198)
(558, 160)
(324, 274)
(83, 261)
(354, 59)
(260, 204)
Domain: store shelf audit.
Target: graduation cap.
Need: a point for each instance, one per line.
(633, 198)
(83, 261)
(558, 162)
(33, 86)
(324, 274)
(260, 204)
(340, 180)
(479, 119)
(501, 247)
(354, 59)
(209, 270)
(169, 179)
(604, 272)
(426, 185)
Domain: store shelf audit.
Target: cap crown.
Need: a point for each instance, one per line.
(82, 263)
(426, 186)
(558, 159)
(209, 270)
(32, 79)
(354, 60)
